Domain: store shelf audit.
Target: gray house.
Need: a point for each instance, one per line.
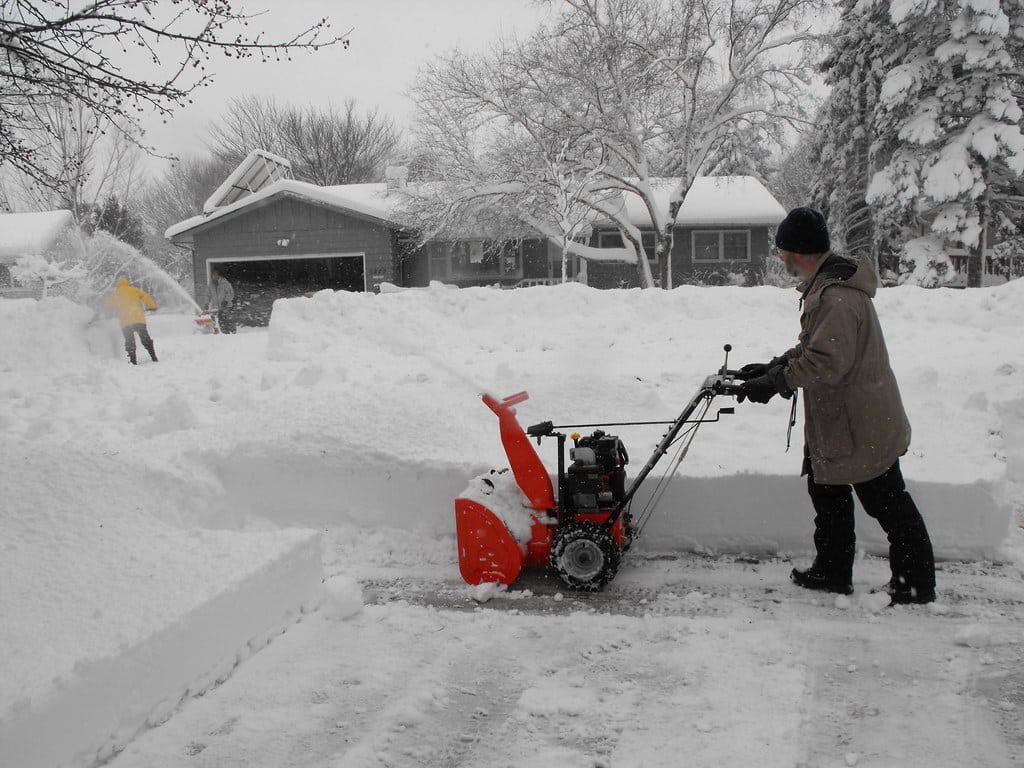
(273, 236)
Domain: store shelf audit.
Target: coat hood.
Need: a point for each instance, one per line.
(839, 270)
(122, 282)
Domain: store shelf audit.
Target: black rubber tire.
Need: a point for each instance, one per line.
(588, 544)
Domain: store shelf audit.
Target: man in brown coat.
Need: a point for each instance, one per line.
(855, 427)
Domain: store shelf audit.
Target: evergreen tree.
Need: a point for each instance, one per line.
(118, 219)
(947, 97)
(848, 148)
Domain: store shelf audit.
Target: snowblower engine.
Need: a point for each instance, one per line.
(596, 479)
(506, 520)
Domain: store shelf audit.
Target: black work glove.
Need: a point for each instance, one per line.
(763, 388)
(753, 370)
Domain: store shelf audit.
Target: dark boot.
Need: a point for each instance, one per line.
(819, 579)
(903, 594)
(131, 357)
(152, 351)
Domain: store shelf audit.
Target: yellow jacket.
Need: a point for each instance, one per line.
(127, 301)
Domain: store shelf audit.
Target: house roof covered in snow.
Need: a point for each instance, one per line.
(724, 200)
(369, 201)
(29, 234)
(712, 200)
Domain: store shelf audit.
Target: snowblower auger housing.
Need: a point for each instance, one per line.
(582, 531)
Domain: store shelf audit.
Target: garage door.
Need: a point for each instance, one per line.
(258, 282)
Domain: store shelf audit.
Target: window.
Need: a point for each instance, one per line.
(613, 239)
(721, 245)
(474, 259)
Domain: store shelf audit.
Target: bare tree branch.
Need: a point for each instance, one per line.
(50, 53)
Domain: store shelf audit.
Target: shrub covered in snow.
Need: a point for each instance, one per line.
(924, 262)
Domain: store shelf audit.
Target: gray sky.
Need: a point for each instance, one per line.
(390, 39)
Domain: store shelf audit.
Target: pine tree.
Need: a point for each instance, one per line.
(947, 97)
(847, 147)
(118, 219)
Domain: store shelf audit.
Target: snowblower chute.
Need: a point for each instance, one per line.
(505, 520)
(488, 549)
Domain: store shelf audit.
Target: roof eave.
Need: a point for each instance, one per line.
(214, 219)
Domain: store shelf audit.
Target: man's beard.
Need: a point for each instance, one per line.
(791, 269)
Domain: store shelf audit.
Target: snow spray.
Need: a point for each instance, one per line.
(106, 258)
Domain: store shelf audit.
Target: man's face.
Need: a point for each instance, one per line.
(791, 261)
(215, 276)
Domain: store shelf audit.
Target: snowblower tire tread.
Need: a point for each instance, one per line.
(579, 532)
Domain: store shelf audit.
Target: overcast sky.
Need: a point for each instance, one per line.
(389, 40)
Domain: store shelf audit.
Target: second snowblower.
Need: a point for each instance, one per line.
(581, 531)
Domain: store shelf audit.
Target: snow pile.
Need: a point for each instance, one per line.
(974, 636)
(343, 598)
(111, 614)
(47, 334)
(422, 358)
(499, 492)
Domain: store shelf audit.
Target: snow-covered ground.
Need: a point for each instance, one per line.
(359, 416)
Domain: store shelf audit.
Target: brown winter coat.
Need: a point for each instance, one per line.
(854, 423)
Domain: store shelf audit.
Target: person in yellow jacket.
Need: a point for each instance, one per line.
(128, 302)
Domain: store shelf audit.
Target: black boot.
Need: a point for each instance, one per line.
(821, 580)
(152, 352)
(131, 358)
(904, 594)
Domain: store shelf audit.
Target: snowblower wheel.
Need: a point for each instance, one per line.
(585, 555)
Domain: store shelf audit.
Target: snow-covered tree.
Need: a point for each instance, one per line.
(743, 152)
(792, 181)
(846, 149)
(948, 96)
(923, 261)
(637, 87)
(36, 268)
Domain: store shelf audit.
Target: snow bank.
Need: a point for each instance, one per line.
(51, 333)
(102, 704)
(419, 359)
(114, 611)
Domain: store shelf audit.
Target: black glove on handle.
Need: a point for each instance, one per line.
(753, 370)
(763, 388)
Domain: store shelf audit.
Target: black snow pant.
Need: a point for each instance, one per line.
(129, 332)
(885, 498)
(226, 320)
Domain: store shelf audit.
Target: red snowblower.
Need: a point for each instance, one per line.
(582, 531)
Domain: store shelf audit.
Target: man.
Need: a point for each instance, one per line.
(128, 302)
(221, 296)
(855, 427)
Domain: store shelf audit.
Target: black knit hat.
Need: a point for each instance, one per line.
(802, 231)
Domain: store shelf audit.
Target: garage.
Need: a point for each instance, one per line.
(259, 281)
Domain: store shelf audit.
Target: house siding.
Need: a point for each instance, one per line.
(416, 267)
(308, 228)
(684, 270)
